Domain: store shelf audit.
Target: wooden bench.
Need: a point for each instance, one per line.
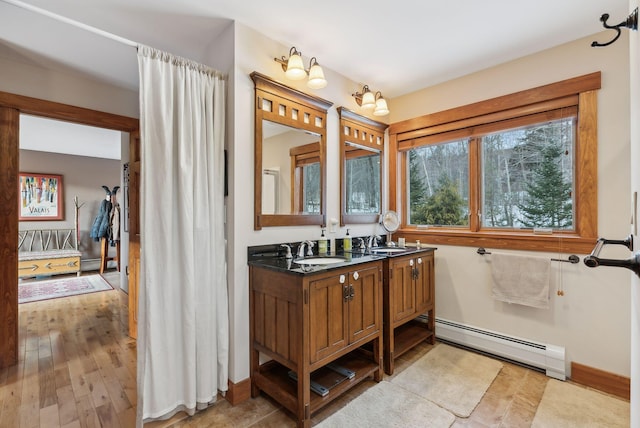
(48, 252)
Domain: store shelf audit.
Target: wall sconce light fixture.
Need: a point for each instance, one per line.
(368, 100)
(381, 105)
(294, 69)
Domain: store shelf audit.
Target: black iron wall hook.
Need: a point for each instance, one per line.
(631, 22)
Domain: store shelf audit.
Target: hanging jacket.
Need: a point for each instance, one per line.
(100, 228)
(114, 225)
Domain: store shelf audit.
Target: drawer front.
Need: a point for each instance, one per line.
(48, 266)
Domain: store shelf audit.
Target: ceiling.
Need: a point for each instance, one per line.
(397, 47)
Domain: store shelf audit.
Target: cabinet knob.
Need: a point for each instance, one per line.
(419, 260)
(343, 279)
(356, 276)
(411, 262)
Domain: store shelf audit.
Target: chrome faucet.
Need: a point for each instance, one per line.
(288, 254)
(373, 241)
(362, 246)
(309, 245)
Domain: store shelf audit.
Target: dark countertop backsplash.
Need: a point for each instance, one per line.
(273, 256)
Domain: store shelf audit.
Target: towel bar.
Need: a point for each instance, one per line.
(571, 259)
(633, 263)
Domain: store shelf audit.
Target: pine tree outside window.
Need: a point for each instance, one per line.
(527, 177)
(439, 184)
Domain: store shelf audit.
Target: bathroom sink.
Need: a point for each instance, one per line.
(388, 250)
(320, 260)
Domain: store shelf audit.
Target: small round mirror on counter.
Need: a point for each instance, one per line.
(390, 221)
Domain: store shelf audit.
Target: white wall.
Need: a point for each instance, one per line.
(82, 176)
(28, 80)
(592, 319)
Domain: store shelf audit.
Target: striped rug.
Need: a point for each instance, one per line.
(33, 291)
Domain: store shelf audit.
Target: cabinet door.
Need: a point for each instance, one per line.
(424, 282)
(402, 289)
(327, 316)
(364, 301)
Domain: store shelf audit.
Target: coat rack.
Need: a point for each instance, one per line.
(106, 228)
(631, 23)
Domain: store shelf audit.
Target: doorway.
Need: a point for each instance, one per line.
(87, 159)
(11, 106)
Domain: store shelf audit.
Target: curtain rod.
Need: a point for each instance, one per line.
(71, 22)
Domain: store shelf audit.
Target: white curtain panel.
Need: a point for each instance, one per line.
(183, 327)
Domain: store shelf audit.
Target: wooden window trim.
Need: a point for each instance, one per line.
(580, 92)
(301, 156)
(305, 155)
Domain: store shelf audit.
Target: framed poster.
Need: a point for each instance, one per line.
(40, 197)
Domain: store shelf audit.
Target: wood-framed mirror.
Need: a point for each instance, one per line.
(290, 155)
(362, 154)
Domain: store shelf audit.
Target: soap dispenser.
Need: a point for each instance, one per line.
(322, 244)
(346, 242)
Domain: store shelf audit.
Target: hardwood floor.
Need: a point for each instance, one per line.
(76, 365)
(77, 368)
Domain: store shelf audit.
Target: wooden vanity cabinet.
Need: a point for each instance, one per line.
(304, 322)
(408, 292)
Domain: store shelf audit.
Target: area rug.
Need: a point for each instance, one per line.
(450, 377)
(388, 405)
(565, 405)
(62, 287)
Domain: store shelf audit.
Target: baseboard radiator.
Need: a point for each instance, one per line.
(549, 358)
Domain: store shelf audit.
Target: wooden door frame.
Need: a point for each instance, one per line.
(11, 105)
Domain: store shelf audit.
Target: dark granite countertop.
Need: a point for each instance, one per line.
(393, 251)
(273, 257)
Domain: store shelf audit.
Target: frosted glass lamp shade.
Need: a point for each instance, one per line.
(295, 68)
(368, 100)
(381, 107)
(316, 77)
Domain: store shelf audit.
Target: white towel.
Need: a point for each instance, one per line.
(521, 279)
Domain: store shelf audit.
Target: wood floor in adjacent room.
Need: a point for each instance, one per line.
(77, 369)
(76, 364)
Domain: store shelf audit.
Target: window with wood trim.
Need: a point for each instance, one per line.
(517, 171)
(305, 170)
